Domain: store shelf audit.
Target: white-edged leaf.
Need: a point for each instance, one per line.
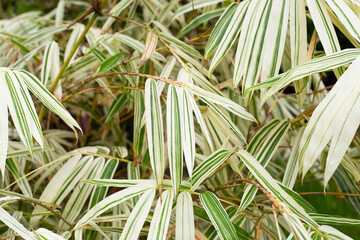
(275, 38)
(337, 118)
(115, 11)
(123, 182)
(316, 65)
(203, 18)
(208, 166)
(218, 216)
(174, 137)
(296, 225)
(194, 5)
(187, 121)
(35, 86)
(160, 220)
(273, 187)
(48, 235)
(324, 28)
(292, 166)
(229, 36)
(154, 129)
(347, 17)
(217, 33)
(109, 202)
(77, 30)
(185, 225)
(12, 223)
(4, 124)
(17, 109)
(333, 233)
(226, 103)
(138, 216)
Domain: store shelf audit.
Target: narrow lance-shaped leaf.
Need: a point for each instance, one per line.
(75, 34)
(226, 103)
(160, 221)
(139, 129)
(109, 63)
(275, 38)
(18, 111)
(292, 166)
(217, 33)
(138, 216)
(118, 104)
(324, 28)
(208, 166)
(50, 54)
(306, 69)
(337, 117)
(296, 225)
(115, 11)
(298, 43)
(226, 118)
(250, 47)
(4, 125)
(275, 133)
(192, 6)
(201, 122)
(48, 99)
(154, 127)
(48, 235)
(227, 38)
(203, 18)
(218, 216)
(333, 233)
(174, 137)
(12, 223)
(81, 193)
(187, 121)
(109, 202)
(273, 187)
(347, 17)
(185, 225)
(334, 220)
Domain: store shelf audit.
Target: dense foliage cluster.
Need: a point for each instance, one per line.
(204, 119)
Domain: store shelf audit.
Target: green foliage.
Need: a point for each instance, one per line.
(204, 119)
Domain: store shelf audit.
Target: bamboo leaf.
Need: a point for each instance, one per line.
(174, 136)
(226, 103)
(48, 99)
(185, 227)
(115, 11)
(271, 185)
(192, 6)
(154, 127)
(218, 216)
(118, 104)
(306, 69)
(340, 106)
(199, 20)
(160, 221)
(217, 33)
(226, 37)
(109, 63)
(138, 216)
(208, 166)
(4, 125)
(12, 223)
(109, 202)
